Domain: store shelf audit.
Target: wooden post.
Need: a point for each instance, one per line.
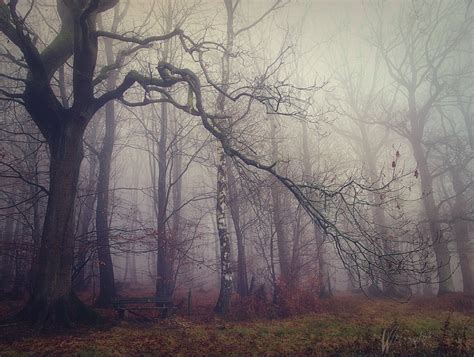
(189, 302)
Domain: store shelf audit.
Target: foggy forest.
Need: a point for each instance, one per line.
(236, 177)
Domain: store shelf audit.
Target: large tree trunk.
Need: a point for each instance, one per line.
(440, 246)
(52, 299)
(461, 233)
(63, 128)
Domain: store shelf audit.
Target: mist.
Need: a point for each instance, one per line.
(217, 165)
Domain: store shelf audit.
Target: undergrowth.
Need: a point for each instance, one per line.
(258, 325)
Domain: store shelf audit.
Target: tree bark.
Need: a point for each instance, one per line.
(19, 283)
(106, 268)
(164, 279)
(36, 214)
(164, 262)
(295, 264)
(87, 213)
(52, 299)
(234, 205)
(277, 215)
(225, 292)
(226, 277)
(6, 271)
(176, 229)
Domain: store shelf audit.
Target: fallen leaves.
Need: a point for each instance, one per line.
(349, 324)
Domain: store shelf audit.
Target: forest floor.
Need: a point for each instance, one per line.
(340, 326)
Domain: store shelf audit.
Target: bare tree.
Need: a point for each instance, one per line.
(417, 65)
(63, 128)
(63, 124)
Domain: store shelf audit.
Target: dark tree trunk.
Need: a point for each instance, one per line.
(63, 128)
(323, 273)
(14, 253)
(282, 244)
(164, 279)
(130, 273)
(6, 258)
(52, 299)
(234, 205)
(295, 265)
(19, 283)
(106, 268)
(164, 263)
(277, 215)
(83, 244)
(36, 233)
(176, 235)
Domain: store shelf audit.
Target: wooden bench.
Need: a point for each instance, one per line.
(125, 305)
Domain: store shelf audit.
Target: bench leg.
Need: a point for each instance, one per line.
(122, 314)
(164, 313)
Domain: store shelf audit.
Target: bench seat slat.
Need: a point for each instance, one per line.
(145, 308)
(140, 300)
(125, 305)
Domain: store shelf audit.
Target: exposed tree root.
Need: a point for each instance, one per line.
(63, 312)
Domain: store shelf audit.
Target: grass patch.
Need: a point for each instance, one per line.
(348, 331)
